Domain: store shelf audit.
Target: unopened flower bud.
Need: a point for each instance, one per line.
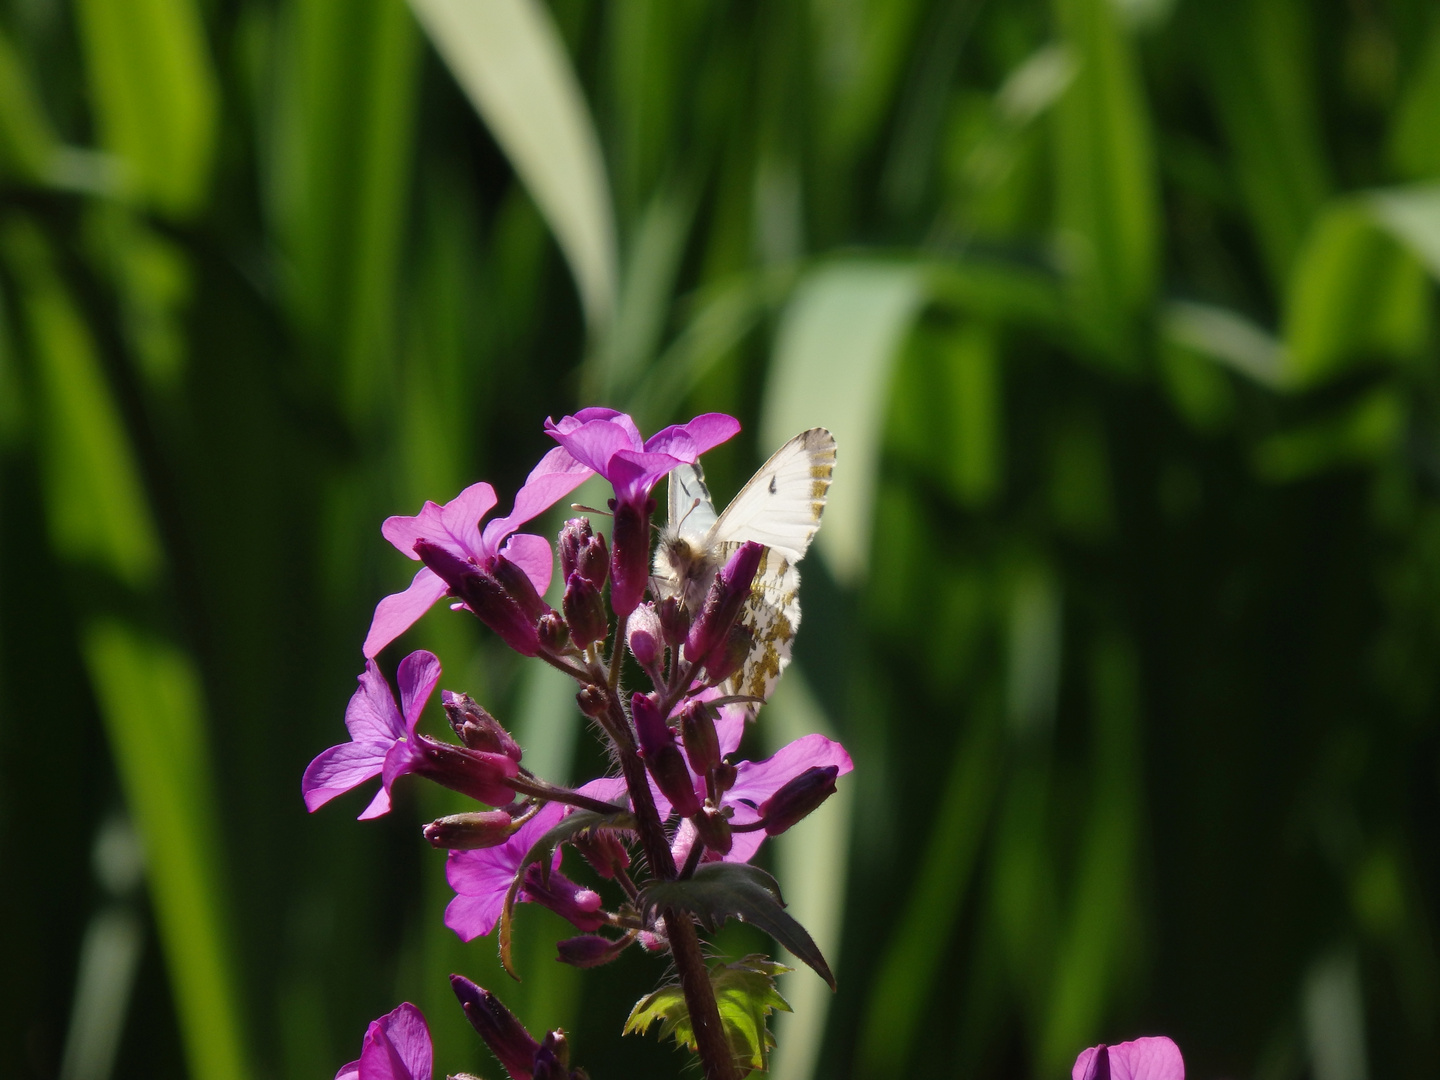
(728, 593)
(552, 633)
(653, 942)
(797, 797)
(562, 896)
(629, 555)
(476, 728)
(467, 832)
(573, 535)
(584, 611)
(650, 727)
(594, 702)
(477, 773)
(590, 950)
(552, 1060)
(479, 591)
(724, 776)
(674, 621)
(728, 658)
(503, 1034)
(517, 583)
(713, 830)
(593, 560)
(603, 850)
(644, 637)
(672, 777)
(702, 743)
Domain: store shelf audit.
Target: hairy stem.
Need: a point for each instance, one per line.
(716, 1056)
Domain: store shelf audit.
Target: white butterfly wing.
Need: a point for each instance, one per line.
(692, 511)
(781, 505)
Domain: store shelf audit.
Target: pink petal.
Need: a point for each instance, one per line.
(339, 769)
(1152, 1058)
(689, 441)
(461, 515)
(558, 474)
(593, 444)
(400, 611)
(372, 715)
(349, 1072)
(418, 674)
(380, 1058)
(756, 781)
(379, 805)
(634, 474)
(481, 878)
(533, 555)
(410, 1036)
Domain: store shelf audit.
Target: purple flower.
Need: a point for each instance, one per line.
(396, 1047)
(455, 527)
(376, 726)
(609, 443)
(481, 878)
(1151, 1058)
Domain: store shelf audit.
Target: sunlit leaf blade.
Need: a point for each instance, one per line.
(149, 695)
(834, 353)
(1412, 216)
(1106, 199)
(1355, 294)
(720, 891)
(745, 994)
(1226, 337)
(154, 93)
(509, 59)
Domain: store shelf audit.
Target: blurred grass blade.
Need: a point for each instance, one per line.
(149, 696)
(1227, 337)
(508, 57)
(27, 143)
(812, 860)
(833, 356)
(917, 950)
(94, 498)
(1333, 1008)
(109, 957)
(1258, 62)
(154, 94)
(1355, 293)
(1414, 132)
(1106, 199)
(1412, 216)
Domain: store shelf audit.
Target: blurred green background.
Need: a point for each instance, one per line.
(1128, 598)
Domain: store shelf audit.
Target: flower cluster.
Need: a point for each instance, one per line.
(671, 835)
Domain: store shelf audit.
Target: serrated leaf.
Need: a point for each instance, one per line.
(745, 995)
(720, 891)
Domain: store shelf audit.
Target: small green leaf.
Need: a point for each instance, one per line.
(721, 891)
(745, 994)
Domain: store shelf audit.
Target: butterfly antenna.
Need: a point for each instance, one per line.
(687, 513)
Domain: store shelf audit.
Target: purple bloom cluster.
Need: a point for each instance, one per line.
(680, 799)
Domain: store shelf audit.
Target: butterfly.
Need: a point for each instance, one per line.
(780, 507)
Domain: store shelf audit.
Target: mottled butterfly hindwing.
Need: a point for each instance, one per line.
(780, 507)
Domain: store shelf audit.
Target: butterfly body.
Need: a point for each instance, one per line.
(780, 507)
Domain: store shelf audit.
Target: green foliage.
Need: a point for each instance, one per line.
(745, 993)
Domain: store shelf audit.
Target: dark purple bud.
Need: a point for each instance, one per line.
(591, 950)
(593, 560)
(702, 743)
(568, 900)
(730, 656)
(725, 775)
(797, 797)
(672, 777)
(644, 637)
(503, 1034)
(552, 1060)
(674, 621)
(573, 535)
(713, 830)
(630, 556)
(585, 611)
(476, 728)
(650, 726)
(603, 850)
(466, 832)
(552, 633)
(728, 593)
(476, 773)
(517, 583)
(483, 595)
(594, 702)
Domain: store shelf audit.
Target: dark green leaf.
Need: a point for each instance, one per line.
(721, 891)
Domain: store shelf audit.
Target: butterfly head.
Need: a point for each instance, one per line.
(685, 568)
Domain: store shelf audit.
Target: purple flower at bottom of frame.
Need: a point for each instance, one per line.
(1152, 1058)
(608, 442)
(376, 726)
(482, 877)
(396, 1047)
(456, 528)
